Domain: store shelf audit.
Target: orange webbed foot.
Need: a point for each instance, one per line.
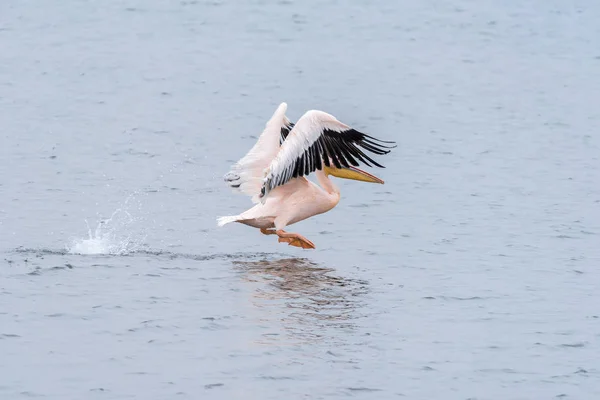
(295, 239)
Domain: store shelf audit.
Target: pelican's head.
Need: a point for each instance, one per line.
(352, 173)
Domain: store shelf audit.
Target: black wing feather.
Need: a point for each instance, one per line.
(285, 131)
(341, 149)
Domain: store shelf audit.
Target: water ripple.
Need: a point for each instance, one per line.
(38, 253)
(315, 299)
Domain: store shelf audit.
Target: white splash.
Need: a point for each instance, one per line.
(114, 236)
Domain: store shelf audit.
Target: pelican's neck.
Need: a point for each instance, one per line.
(326, 183)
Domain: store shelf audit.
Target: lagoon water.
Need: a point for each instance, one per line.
(473, 273)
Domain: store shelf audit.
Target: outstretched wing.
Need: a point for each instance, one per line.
(320, 139)
(246, 176)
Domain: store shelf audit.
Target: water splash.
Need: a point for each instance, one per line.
(116, 235)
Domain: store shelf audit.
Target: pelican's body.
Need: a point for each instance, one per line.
(293, 202)
(273, 172)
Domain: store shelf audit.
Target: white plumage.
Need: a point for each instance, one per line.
(273, 172)
(306, 132)
(246, 176)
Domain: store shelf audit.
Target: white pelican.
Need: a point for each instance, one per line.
(273, 172)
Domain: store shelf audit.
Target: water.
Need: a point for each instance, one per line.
(471, 274)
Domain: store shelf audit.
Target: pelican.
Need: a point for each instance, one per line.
(273, 172)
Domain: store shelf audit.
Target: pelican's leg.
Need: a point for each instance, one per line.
(265, 231)
(294, 239)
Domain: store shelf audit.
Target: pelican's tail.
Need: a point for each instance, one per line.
(226, 220)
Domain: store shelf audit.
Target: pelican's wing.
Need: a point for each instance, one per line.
(246, 176)
(320, 139)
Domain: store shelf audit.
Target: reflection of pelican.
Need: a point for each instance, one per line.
(274, 174)
(313, 298)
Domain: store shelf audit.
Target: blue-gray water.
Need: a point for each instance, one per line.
(472, 274)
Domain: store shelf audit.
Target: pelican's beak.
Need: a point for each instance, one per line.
(352, 173)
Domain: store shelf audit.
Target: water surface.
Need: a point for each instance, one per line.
(471, 274)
